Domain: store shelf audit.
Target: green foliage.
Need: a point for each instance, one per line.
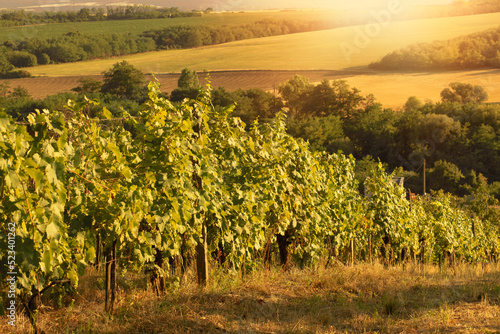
(88, 85)
(34, 198)
(335, 98)
(412, 104)
(129, 12)
(16, 74)
(179, 94)
(322, 133)
(123, 80)
(5, 65)
(188, 79)
(43, 59)
(446, 176)
(22, 59)
(184, 36)
(255, 103)
(19, 92)
(390, 213)
(464, 93)
(374, 131)
(293, 91)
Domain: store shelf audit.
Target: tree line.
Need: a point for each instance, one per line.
(181, 37)
(473, 51)
(9, 18)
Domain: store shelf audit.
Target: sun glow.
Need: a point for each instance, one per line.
(357, 4)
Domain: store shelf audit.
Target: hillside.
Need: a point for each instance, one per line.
(305, 51)
(313, 50)
(475, 51)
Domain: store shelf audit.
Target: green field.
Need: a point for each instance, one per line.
(138, 26)
(312, 50)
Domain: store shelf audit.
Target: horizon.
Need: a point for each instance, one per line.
(217, 5)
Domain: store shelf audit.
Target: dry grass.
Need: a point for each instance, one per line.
(394, 89)
(340, 299)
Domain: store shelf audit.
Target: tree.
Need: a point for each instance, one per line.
(188, 79)
(123, 80)
(43, 59)
(413, 103)
(20, 92)
(322, 133)
(292, 91)
(335, 98)
(87, 85)
(373, 132)
(446, 176)
(5, 65)
(255, 103)
(464, 93)
(179, 94)
(189, 86)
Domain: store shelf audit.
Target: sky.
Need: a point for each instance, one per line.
(217, 4)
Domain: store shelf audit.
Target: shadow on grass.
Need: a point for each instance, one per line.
(317, 307)
(356, 299)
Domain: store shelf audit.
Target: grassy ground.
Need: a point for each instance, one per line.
(356, 299)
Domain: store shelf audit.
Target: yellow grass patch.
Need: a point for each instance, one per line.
(394, 89)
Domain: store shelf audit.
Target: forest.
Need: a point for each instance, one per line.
(479, 50)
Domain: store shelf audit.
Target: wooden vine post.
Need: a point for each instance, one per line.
(353, 254)
(110, 278)
(201, 247)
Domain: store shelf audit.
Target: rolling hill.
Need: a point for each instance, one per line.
(320, 50)
(335, 49)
